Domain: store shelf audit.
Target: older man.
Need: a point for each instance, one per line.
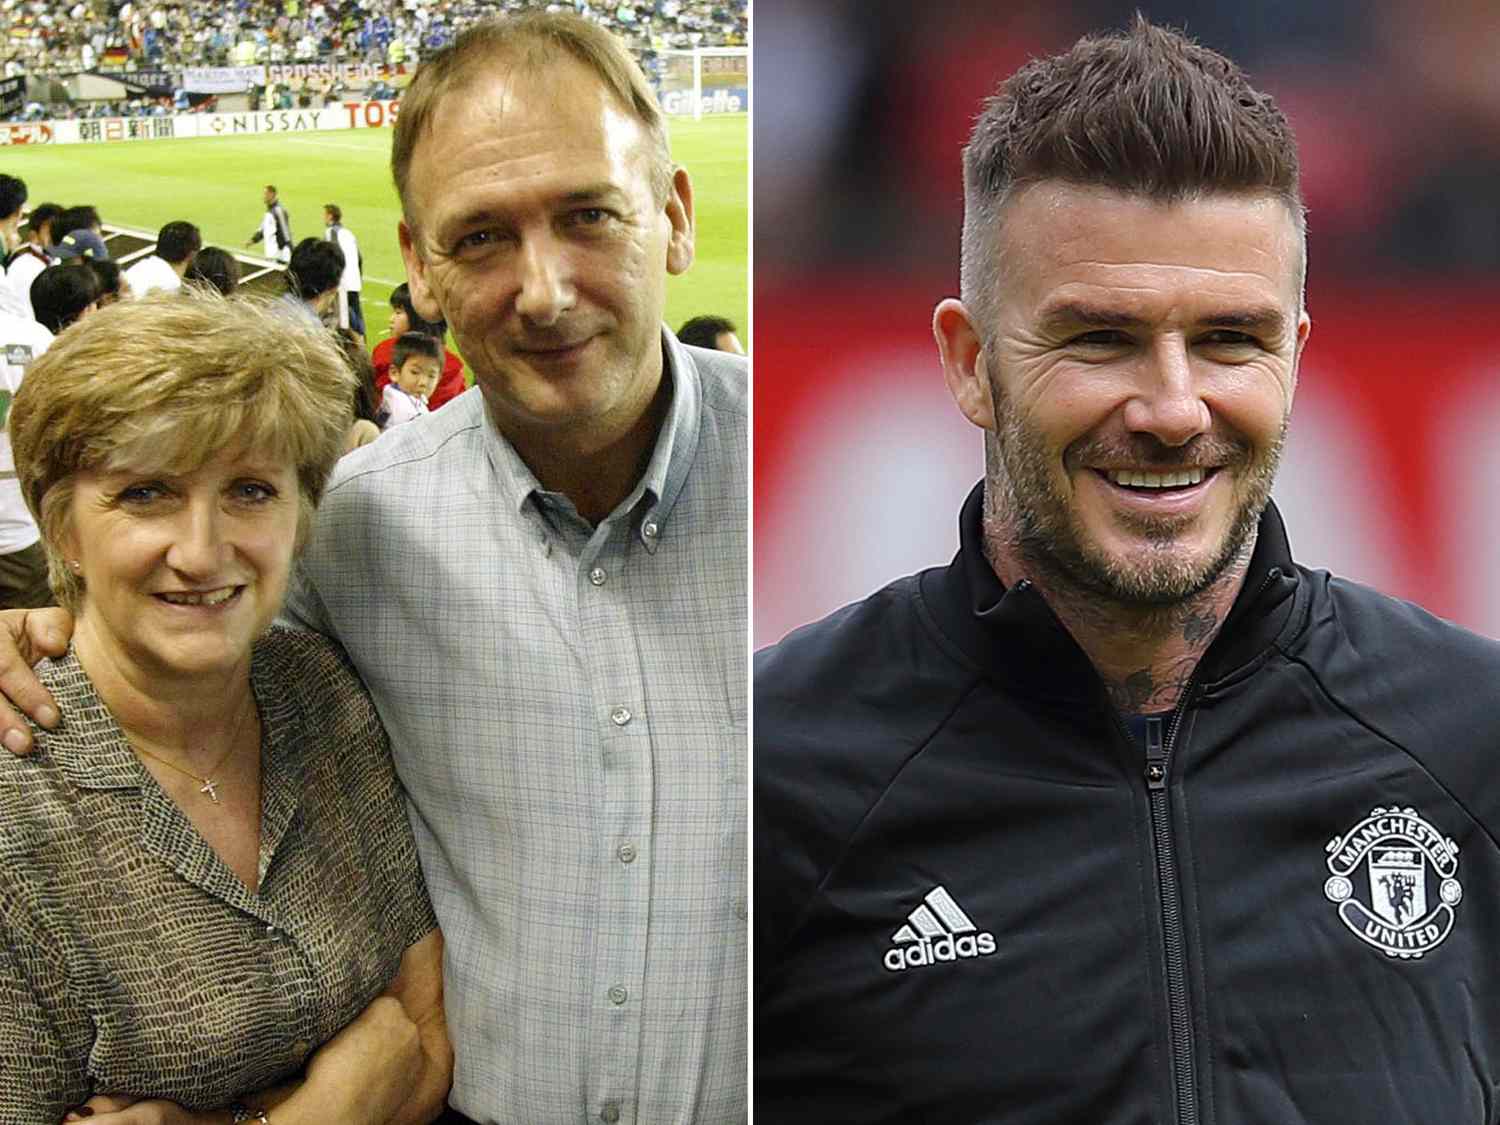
(1123, 816)
(544, 585)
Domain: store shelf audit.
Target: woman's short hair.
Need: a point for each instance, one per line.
(167, 383)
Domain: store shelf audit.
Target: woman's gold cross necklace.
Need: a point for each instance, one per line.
(208, 784)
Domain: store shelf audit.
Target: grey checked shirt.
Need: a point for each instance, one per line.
(567, 708)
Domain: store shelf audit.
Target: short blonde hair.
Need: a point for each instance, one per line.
(171, 381)
(532, 40)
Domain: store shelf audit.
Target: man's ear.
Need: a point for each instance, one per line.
(680, 215)
(1304, 330)
(416, 275)
(965, 368)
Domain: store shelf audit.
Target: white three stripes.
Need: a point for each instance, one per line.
(938, 904)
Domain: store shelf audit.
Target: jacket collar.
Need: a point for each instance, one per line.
(1012, 633)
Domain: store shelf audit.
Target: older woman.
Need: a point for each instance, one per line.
(209, 893)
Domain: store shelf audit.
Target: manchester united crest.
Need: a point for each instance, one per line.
(1394, 879)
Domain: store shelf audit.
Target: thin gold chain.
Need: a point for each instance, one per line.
(210, 786)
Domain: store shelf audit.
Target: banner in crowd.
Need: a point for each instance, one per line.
(27, 133)
(342, 115)
(725, 99)
(222, 79)
(145, 81)
(12, 95)
(293, 73)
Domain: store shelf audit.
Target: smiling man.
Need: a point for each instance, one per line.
(1080, 827)
(562, 550)
(544, 587)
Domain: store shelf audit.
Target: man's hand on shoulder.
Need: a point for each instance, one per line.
(27, 635)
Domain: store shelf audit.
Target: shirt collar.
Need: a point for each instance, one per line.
(655, 494)
(93, 752)
(88, 743)
(1012, 632)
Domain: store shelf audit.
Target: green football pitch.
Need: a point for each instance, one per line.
(216, 183)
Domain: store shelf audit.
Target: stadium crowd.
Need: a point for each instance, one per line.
(57, 38)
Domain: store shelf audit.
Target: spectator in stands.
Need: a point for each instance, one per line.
(404, 319)
(214, 267)
(31, 257)
(275, 228)
(716, 332)
(176, 244)
(12, 211)
(113, 284)
(351, 316)
(312, 279)
(12, 206)
(80, 234)
(367, 415)
(63, 294)
(416, 363)
(23, 562)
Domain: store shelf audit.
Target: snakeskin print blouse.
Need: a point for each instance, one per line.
(135, 961)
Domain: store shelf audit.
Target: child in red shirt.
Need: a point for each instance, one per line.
(404, 319)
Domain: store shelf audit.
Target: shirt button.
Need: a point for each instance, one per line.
(650, 530)
(618, 995)
(610, 1113)
(626, 853)
(270, 931)
(620, 716)
(597, 576)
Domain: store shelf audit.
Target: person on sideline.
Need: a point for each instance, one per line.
(275, 230)
(351, 316)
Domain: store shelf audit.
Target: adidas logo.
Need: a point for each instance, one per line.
(938, 930)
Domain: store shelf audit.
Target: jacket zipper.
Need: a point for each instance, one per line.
(1159, 746)
(1179, 1011)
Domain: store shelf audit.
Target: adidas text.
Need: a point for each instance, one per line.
(946, 947)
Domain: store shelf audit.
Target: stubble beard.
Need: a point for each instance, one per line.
(1026, 514)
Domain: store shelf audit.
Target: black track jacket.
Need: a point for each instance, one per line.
(978, 898)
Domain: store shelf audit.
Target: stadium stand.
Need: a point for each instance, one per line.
(145, 45)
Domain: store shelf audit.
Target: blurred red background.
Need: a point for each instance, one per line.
(861, 460)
